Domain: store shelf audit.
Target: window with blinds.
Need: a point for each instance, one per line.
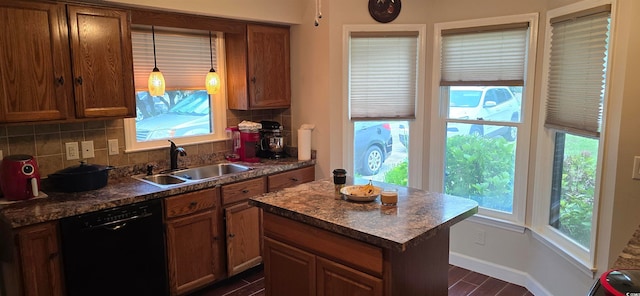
(576, 83)
(383, 75)
(491, 55)
(183, 57)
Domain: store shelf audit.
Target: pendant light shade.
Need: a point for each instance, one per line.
(156, 79)
(212, 81)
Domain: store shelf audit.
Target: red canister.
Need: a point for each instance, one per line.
(19, 177)
(621, 282)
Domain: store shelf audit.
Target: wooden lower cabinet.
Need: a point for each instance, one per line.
(243, 225)
(337, 279)
(301, 259)
(194, 244)
(34, 265)
(291, 271)
(288, 270)
(244, 230)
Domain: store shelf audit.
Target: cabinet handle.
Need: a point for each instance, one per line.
(253, 79)
(294, 179)
(60, 80)
(193, 204)
(231, 235)
(79, 80)
(53, 256)
(245, 191)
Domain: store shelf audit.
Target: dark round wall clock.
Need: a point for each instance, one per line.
(384, 11)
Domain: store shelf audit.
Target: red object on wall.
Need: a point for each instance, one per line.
(19, 177)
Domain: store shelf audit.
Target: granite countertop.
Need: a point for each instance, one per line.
(123, 191)
(630, 256)
(417, 217)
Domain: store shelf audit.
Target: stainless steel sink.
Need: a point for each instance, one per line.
(193, 174)
(163, 179)
(210, 171)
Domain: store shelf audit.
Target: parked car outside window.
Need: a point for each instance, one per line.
(189, 116)
(372, 146)
(492, 104)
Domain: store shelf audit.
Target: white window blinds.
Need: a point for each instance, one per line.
(182, 57)
(492, 55)
(383, 75)
(577, 67)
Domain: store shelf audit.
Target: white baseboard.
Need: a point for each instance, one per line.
(506, 274)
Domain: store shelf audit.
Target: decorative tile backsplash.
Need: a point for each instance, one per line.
(47, 143)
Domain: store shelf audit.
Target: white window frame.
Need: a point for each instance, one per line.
(579, 256)
(415, 125)
(218, 108)
(516, 220)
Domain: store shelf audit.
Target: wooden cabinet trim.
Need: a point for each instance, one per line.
(356, 254)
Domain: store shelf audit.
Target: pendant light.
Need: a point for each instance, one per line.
(212, 81)
(156, 79)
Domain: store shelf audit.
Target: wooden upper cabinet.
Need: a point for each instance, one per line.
(60, 62)
(102, 62)
(35, 68)
(258, 74)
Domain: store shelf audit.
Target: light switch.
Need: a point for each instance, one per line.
(113, 147)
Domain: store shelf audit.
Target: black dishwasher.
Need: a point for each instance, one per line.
(118, 251)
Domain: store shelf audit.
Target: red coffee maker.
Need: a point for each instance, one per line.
(249, 141)
(19, 177)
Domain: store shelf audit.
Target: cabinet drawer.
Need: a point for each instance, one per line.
(242, 190)
(291, 178)
(348, 251)
(188, 203)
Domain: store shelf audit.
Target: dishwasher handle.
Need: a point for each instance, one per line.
(118, 224)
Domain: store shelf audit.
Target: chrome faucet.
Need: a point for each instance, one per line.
(173, 155)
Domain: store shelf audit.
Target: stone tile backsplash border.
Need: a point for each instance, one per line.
(47, 143)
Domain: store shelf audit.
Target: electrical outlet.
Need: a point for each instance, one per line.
(480, 237)
(72, 150)
(87, 149)
(113, 147)
(636, 168)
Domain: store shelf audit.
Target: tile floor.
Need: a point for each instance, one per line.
(462, 282)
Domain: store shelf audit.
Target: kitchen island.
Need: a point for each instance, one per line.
(316, 243)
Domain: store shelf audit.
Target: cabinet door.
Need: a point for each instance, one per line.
(337, 279)
(244, 233)
(268, 58)
(192, 247)
(40, 260)
(288, 271)
(102, 62)
(35, 69)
